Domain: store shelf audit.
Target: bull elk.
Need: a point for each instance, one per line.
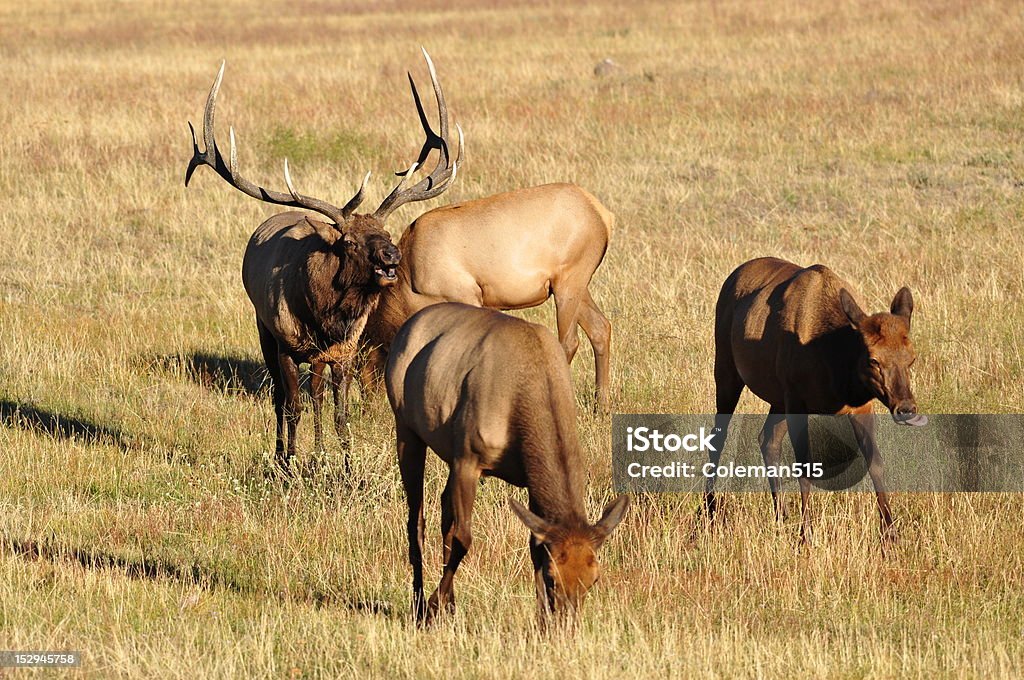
(798, 340)
(509, 251)
(491, 395)
(314, 283)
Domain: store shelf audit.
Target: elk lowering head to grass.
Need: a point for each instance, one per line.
(313, 283)
(797, 338)
(491, 395)
(508, 251)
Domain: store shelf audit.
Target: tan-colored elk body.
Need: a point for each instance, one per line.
(313, 283)
(508, 251)
(797, 339)
(491, 395)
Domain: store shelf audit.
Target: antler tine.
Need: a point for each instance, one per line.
(211, 107)
(196, 159)
(433, 141)
(446, 182)
(444, 172)
(390, 201)
(212, 157)
(233, 154)
(288, 181)
(442, 107)
(354, 202)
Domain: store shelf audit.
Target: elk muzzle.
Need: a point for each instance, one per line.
(905, 412)
(386, 260)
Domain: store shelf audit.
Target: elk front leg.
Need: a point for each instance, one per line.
(316, 386)
(714, 457)
(772, 432)
(864, 430)
(542, 580)
(371, 371)
(728, 387)
(456, 531)
(412, 453)
(796, 421)
(341, 378)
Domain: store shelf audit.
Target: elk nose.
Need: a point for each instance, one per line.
(906, 408)
(391, 255)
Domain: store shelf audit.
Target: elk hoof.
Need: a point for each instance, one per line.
(419, 610)
(432, 607)
(436, 608)
(806, 535)
(712, 510)
(281, 468)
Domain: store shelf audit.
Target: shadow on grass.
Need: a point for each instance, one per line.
(148, 568)
(59, 426)
(227, 374)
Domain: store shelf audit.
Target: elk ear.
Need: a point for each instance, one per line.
(537, 526)
(850, 307)
(903, 304)
(613, 514)
(328, 232)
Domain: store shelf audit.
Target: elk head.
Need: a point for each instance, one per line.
(570, 566)
(361, 238)
(884, 365)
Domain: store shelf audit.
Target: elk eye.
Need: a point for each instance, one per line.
(875, 363)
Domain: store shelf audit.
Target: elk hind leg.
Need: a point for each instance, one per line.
(292, 401)
(567, 306)
(268, 344)
(412, 453)
(456, 518)
(599, 331)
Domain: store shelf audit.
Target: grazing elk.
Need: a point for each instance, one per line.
(797, 338)
(491, 395)
(314, 283)
(509, 251)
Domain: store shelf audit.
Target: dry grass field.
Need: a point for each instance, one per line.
(137, 519)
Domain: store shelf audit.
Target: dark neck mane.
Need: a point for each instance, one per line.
(338, 300)
(851, 385)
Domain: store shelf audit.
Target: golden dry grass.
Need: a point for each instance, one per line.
(881, 138)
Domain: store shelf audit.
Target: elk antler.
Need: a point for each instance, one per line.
(444, 172)
(213, 157)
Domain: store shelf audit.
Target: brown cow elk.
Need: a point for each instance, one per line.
(314, 283)
(509, 251)
(491, 395)
(797, 339)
